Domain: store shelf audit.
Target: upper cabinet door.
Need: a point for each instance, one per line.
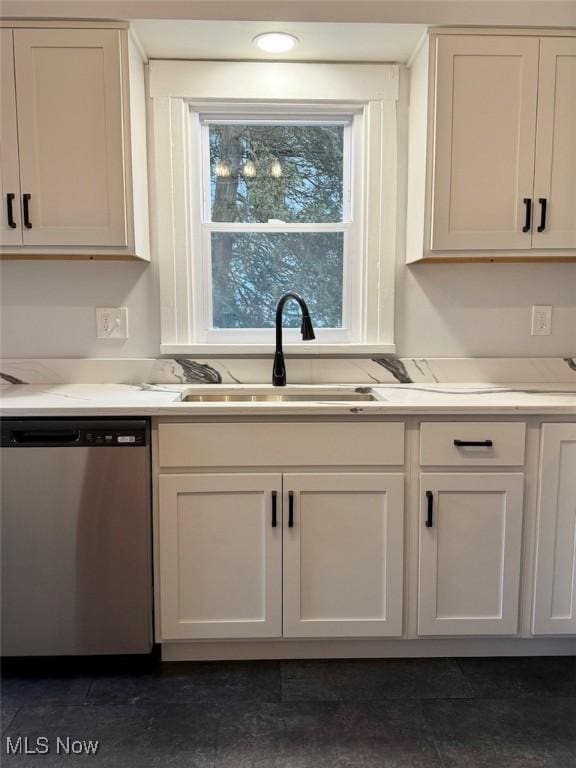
(10, 223)
(343, 564)
(470, 550)
(485, 126)
(555, 176)
(71, 133)
(555, 581)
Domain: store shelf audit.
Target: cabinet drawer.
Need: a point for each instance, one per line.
(453, 443)
(281, 444)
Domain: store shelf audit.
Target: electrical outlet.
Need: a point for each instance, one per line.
(541, 320)
(112, 322)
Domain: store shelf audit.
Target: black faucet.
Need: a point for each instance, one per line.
(306, 329)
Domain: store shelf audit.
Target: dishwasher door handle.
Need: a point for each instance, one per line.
(43, 437)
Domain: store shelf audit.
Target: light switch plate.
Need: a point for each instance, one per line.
(112, 322)
(541, 320)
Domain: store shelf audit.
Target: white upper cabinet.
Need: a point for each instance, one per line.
(70, 136)
(470, 553)
(497, 115)
(78, 160)
(486, 90)
(10, 221)
(555, 578)
(555, 177)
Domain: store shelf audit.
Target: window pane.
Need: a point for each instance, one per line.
(250, 271)
(290, 173)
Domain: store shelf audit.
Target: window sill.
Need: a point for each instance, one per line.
(296, 350)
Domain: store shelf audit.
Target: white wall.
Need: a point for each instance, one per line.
(469, 310)
(48, 308)
(442, 310)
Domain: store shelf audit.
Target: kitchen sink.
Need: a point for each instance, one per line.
(287, 397)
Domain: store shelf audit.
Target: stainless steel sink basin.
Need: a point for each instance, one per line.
(267, 397)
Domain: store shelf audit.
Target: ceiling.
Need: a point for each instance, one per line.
(546, 13)
(185, 39)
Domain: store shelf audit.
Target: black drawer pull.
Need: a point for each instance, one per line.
(543, 205)
(429, 509)
(528, 223)
(274, 515)
(26, 210)
(9, 209)
(473, 443)
(291, 509)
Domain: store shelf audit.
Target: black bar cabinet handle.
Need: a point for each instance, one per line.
(429, 509)
(473, 443)
(9, 209)
(291, 509)
(274, 515)
(528, 223)
(543, 205)
(26, 210)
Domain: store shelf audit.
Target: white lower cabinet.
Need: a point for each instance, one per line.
(266, 554)
(343, 554)
(555, 577)
(220, 556)
(470, 553)
(227, 541)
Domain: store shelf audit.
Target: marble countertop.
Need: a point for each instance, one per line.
(57, 400)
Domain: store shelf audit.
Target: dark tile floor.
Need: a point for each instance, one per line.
(436, 713)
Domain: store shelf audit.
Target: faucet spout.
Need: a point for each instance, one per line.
(306, 329)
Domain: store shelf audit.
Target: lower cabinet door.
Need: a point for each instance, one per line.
(470, 553)
(343, 555)
(555, 579)
(220, 556)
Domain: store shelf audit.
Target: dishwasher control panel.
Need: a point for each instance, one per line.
(115, 437)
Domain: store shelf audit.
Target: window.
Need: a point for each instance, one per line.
(277, 215)
(271, 177)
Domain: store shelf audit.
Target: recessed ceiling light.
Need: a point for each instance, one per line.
(276, 42)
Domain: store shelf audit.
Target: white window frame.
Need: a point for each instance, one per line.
(181, 93)
(349, 226)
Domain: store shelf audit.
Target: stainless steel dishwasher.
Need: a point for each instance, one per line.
(76, 537)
